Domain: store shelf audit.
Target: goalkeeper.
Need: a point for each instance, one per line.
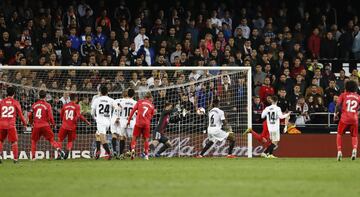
(169, 115)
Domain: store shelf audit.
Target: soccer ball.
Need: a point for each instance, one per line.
(200, 111)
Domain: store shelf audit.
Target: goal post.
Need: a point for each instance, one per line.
(185, 87)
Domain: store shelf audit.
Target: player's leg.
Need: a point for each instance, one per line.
(136, 134)
(61, 136)
(103, 140)
(275, 138)
(146, 137)
(49, 136)
(3, 134)
(231, 139)
(98, 144)
(208, 144)
(354, 140)
(35, 136)
(341, 130)
(114, 140)
(166, 145)
(13, 139)
(69, 146)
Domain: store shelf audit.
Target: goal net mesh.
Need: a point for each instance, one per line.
(185, 89)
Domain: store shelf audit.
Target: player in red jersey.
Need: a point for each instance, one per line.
(348, 103)
(145, 111)
(263, 138)
(42, 118)
(9, 110)
(70, 113)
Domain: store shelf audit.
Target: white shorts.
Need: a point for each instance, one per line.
(217, 135)
(122, 129)
(102, 128)
(275, 136)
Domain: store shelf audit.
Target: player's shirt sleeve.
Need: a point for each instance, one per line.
(133, 111)
(19, 112)
(280, 114)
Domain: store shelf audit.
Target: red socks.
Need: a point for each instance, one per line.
(133, 143)
(257, 136)
(1, 148)
(33, 149)
(69, 146)
(15, 150)
(354, 142)
(55, 144)
(339, 142)
(146, 146)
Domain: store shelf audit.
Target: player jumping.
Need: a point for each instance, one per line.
(70, 113)
(119, 128)
(218, 130)
(9, 110)
(101, 109)
(348, 103)
(42, 118)
(145, 111)
(168, 115)
(270, 136)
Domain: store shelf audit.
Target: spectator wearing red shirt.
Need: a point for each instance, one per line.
(266, 90)
(297, 68)
(314, 44)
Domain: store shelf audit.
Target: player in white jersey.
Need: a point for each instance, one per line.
(273, 115)
(101, 109)
(218, 130)
(119, 121)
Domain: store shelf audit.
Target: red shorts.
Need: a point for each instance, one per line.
(11, 134)
(265, 132)
(71, 134)
(144, 131)
(42, 131)
(353, 128)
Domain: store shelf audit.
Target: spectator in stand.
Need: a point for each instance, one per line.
(75, 41)
(315, 91)
(266, 89)
(99, 37)
(314, 44)
(87, 47)
(340, 81)
(258, 78)
(330, 92)
(302, 110)
(139, 39)
(328, 48)
(257, 107)
(294, 96)
(147, 52)
(332, 104)
(356, 43)
(297, 68)
(283, 101)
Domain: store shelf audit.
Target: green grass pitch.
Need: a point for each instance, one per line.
(182, 177)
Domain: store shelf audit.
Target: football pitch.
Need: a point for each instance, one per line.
(182, 177)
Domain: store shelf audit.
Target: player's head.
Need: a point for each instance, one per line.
(42, 94)
(168, 106)
(103, 90)
(10, 91)
(131, 93)
(148, 96)
(351, 86)
(73, 97)
(274, 99)
(216, 102)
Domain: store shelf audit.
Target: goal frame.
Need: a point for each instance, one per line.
(149, 68)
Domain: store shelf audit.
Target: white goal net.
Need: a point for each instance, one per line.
(187, 88)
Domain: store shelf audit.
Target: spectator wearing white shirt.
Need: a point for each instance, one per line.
(245, 28)
(215, 21)
(176, 53)
(82, 8)
(139, 39)
(227, 19)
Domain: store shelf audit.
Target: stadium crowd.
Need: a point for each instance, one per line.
(281, 42)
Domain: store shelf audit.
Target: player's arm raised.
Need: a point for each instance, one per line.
(50, 116)
(80, 116)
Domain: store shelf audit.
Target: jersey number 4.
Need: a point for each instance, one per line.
(7, 111)
(351, 106)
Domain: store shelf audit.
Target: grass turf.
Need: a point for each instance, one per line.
(182, 177)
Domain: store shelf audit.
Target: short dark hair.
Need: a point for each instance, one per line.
(73, 96)
(42, 94)
(103, 90)
(351, 86)
(10, 91)
(274, 98)
(216, 102)
(131, 93)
